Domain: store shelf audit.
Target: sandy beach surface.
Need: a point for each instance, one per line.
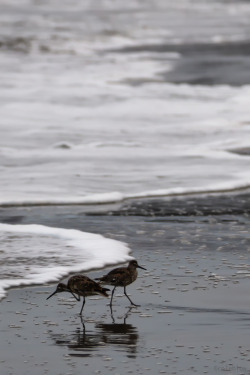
(194, 313)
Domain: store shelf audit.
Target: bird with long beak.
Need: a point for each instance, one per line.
(79, 285)
(122, 277)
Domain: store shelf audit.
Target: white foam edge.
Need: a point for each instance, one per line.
(115, 252)
(237, 184)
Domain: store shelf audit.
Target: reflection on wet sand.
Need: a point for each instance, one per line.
(122, 335)
(83, 341)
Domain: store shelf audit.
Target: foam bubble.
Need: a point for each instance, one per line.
(37, 254)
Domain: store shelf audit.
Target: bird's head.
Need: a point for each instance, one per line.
(60, 288)
(133, 263)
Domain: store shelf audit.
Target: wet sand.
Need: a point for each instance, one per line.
(194, 314)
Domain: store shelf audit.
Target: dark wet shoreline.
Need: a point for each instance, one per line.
(234, 204)
(237, 203)
(194, 313)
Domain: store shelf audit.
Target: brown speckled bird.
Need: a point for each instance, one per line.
(121, 276)
(81, 286)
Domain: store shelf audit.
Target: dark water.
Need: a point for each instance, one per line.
(123, 222)
(202, 63)
(237, 204)
(188, 206)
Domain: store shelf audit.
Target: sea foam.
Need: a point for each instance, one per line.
(37, 254)
(91, 112)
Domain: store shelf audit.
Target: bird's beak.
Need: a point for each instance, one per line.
(52, 294)
(141, 267)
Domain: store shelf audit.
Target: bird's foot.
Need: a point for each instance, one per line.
(134, 305)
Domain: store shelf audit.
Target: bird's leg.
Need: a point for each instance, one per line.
(83, 326)
(77, 298)
(82, 305)
(111, 299)
(127, 314)
(132, 303)
(111, 313)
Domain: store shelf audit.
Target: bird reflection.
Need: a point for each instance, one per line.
(83, 341)
(120, 334)
(125, 316)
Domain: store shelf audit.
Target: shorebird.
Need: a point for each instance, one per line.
(81, 286)
(121, 276)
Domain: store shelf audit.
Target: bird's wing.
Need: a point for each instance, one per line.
(119, 271)
(117, 275)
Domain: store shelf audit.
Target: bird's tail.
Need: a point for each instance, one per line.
(100, 280)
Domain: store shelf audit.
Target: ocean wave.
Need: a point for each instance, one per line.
(117, 197)
(102, 123)
(37, 254)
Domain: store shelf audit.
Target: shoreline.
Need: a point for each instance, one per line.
(184, 205)
(194, 312)
(129, 200)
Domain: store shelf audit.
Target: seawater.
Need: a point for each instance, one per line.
(103, 101)
(89, 112)
(37, 254)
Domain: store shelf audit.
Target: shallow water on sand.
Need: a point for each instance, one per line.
(193, 317)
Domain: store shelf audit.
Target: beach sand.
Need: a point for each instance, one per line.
(194, 314)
